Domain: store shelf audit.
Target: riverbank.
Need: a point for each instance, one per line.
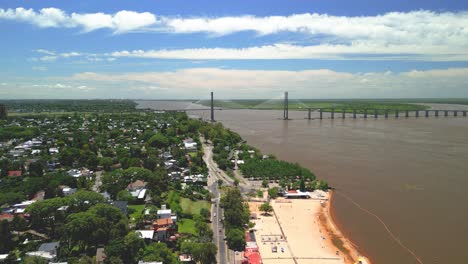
(302, 232)
(335, 236)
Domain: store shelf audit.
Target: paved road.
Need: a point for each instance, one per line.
(224, 255)
(216, 212)
(97, 182)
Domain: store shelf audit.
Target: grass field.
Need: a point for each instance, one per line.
(137, 210)
(193, 207)
(186, 226)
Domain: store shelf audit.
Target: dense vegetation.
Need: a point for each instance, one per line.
(236, 218)
(11, 132)
(274, 170)
(122, 148)
(37, 106)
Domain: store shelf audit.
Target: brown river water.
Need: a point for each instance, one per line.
(411, 173)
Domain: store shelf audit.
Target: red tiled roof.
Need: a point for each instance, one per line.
(15, 173)
(163, 222)
(292, 191)
(254, 258)
(8, 217)
(136, 184)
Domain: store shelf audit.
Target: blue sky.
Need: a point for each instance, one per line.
(239, 49)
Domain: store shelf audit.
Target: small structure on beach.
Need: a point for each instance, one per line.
(297, 194)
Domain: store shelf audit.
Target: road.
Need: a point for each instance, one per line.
(216, 210)
(97, 182)
(224, 255)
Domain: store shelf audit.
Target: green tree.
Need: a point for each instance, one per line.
(322, 185)
(201, 252)
(19, 223)
(159, 252)
(6, 243)
(205, 213)
(266, 208)
(36, 169)
(125, 195)
(236, 239)
(158, 141)
(273, 192)
(302, 186)
(205, 234)
(106, 162)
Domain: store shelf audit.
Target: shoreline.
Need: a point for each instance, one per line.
(335, 235)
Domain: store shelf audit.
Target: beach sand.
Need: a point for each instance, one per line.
(303, 229)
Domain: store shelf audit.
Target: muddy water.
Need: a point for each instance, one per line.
(411, 173)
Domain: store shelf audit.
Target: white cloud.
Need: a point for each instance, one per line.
(48, 58)
(85, 88)
(288, 51)
(235, 83)
(324, 83)
(420, 35)
(44, 51)
(120, 22)
(39, 68)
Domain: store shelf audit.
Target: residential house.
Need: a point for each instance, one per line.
(145, 234)
(190, 145)
(47, 251)
(122, 205)
(100, 256)
(138, 189)
(165, 224)
(15, 173)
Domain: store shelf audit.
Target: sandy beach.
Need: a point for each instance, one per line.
(301, 231)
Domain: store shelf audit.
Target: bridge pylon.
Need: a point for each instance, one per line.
(286, 107)
(212, 108)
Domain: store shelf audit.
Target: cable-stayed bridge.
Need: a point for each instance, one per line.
(327, 112)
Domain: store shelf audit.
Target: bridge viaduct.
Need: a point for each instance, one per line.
(337, 112)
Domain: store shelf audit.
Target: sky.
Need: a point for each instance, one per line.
(182, 49)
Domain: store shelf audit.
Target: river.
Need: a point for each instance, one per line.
(411, 173)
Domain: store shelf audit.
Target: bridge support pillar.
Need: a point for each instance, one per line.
(455, 113)
(437, 113)
(286, 106)
(464, 113)
(376, 113)
(333, 113)
(365, 113)
(321, 113)
(397, 114)
(354, 113)
(417, 113)
(309, 113)
(386, 114)
(445, 113)
(212, 108)
(343, 113)
(406, 113)
(426, 113)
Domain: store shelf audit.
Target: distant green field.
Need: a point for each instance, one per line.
(186, 226)
(349, 105)
(193, 207)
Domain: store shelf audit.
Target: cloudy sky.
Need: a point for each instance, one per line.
(239, 49)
